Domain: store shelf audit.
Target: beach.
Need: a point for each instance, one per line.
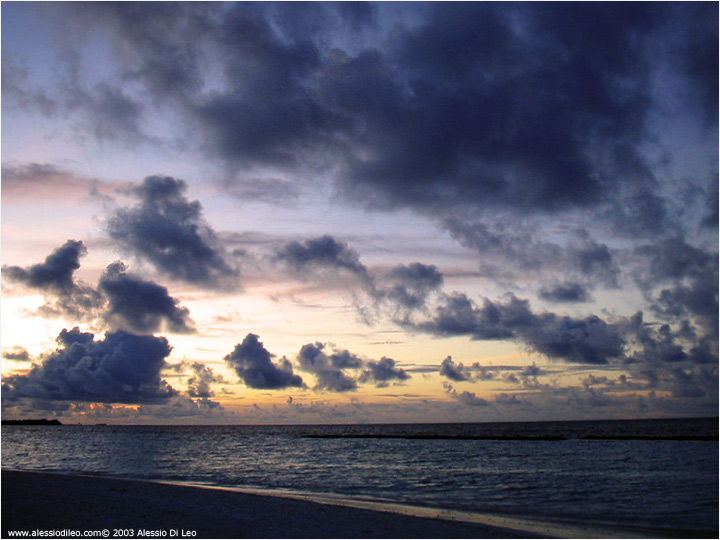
(39, 501)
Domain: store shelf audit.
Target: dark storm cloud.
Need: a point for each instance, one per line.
(54, 278)
(685, 385)
(527, 376)
(383, 371)
(267, 116)
(320, 253)
(169, 231)
(160, 46)
(411, 285)
(641, 213)
(466, 109)
(674, 258)
(595, 261)
(202, 378)
(344, 359)
(538, 106)
(55, 273)
(698, 298)
(482, 238)
(468, 399)
(18, 354)
(661, 344)
(156, 45)
(122, 301)
(511, 245)
(104, 109)
(687, 277)
(269, 190)
(459, 315)
(454, 372)
(17, 89)
(313, 20)
(507, 123)
(712, 205)
(273, 111)
(121, 368)
(696, 56)
(403, 288)
(110, 112)
(328, 368)
(141, 306)
(672, 358)
(533, 89)
(565, 292)
(253, 364)
(588, 340)
(30, 173)
(507, 399)
(694, 383)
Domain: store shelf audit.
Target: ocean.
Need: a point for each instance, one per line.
(642, 475)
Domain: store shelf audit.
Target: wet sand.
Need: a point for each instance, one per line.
(48, 501)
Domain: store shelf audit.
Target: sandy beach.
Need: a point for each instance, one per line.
(57, 502)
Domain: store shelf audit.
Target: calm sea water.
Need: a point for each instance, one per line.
(625, 474)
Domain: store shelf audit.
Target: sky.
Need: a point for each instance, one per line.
(359, 212)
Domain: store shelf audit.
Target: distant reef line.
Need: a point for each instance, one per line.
(522, 437)
(32, 422)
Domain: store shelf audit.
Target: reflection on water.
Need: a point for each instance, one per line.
(670, 483)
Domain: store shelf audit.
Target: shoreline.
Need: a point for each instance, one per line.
(50, 501)
(518, 526)
(39, 500)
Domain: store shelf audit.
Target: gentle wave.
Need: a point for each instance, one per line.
(663, 483)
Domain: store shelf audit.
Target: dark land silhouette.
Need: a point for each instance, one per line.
(32, 422)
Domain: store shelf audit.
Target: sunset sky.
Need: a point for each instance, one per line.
(359, 212)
